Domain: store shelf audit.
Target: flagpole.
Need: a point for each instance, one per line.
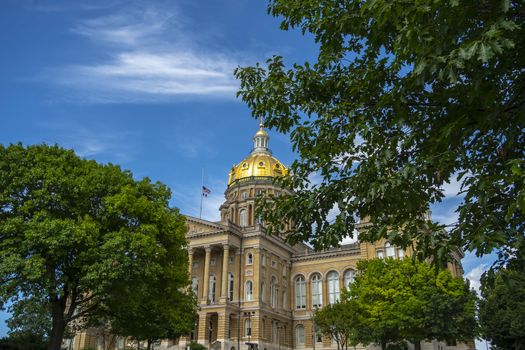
(202, 195)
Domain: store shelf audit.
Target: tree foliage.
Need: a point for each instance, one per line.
(23, 341)
(407, 300)
(403, 97)
(342, 322)
(75, 233)
(502, 308)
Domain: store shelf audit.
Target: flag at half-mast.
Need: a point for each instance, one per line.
(205, 191)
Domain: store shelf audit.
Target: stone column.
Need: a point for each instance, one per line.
(202, 332)
(190, 261)
(206, 274)
(222, 328)
(224, 283)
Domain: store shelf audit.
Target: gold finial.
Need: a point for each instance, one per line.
(261, 124)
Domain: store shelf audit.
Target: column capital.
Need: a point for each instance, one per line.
(207, 249)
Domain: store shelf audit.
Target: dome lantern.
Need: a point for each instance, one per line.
(260, 141)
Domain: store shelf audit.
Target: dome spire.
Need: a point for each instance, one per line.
(260, 140)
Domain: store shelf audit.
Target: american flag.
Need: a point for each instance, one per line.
(205, 191)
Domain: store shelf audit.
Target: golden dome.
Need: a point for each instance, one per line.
(260, 162)
(257, 164)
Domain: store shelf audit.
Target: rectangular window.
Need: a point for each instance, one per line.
(213, 262)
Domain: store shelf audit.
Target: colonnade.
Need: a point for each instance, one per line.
(203, 297)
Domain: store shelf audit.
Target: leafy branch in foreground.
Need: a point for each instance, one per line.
(404, 97)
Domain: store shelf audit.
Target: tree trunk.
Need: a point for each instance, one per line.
(149, 344)
(59, 326)
(383, 345)
(417, 344)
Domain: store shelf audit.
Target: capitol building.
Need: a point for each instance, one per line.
(254, 288)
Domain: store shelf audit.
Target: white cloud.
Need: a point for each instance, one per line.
(146, 55)
(474, 276)
(452, 188)
(125, 28)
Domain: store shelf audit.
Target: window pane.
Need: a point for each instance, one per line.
(349, 278)
(333, 287)
(299, 332)
(317, 291)
(300, 293)
(390, 251)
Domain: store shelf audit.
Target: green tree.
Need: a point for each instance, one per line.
(403, 97)
(73, 231)
(30, 316)
(502, 308)
(342, 322)
(410, 300)
(141, 314)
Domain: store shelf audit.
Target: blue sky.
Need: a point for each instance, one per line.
(147, 85)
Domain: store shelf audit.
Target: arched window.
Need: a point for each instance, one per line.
(300, 293)
(243, 218)
(248, 291)
(333, 287)
(195, 285)
(349, 278)
(273, 292)
(263, 287)
(211, 288)
(230, 286)
(317, 291)
(247, 327)
(390, 251)
(299, 334)
(400, 253)
(249, 259)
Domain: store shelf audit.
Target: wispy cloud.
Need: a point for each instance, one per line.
(147, 55)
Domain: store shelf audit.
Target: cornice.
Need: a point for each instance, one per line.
(354, 250)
